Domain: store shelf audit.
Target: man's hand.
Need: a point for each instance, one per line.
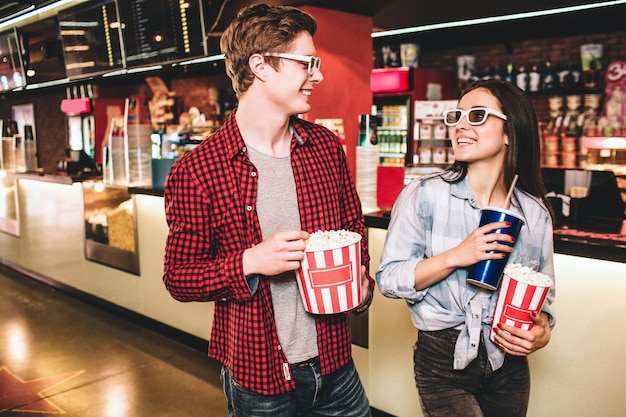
(281, 252)
(366, 293)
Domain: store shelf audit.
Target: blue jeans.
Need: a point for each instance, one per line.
(336, 394)
(477, 390)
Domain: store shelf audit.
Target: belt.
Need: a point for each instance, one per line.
(307, 362)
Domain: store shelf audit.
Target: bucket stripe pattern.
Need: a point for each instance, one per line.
(516, 300)
(330, 280)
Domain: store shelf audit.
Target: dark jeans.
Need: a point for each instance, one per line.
(475, 391)
(337, 394)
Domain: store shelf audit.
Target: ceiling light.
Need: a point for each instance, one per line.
(33, 12)
(492, 19)
(18, 13)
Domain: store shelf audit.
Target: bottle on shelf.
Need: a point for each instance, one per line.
(573, 79)
(510, 73)
(30, 149)
(496, 73)
(563, 75)
(550, 80)
(521, 79)
(534, 79)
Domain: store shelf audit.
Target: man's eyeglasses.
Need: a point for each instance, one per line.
(313, 62)
(476, 116)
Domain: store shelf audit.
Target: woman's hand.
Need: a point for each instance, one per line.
(482, 245)
(520, 342)
(478, 246)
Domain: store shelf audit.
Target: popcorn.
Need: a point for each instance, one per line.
(522, 292)
(330, 239)
(122, 227)
(329, 276)
(527, 275)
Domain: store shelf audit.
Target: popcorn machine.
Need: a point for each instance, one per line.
(87, 125)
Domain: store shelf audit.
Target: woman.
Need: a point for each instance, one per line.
(434, 236)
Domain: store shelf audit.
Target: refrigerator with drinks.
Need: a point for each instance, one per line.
(395, 92)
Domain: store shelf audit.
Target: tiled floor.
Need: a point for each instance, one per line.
(60, 355)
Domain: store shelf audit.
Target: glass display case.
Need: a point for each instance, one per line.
(110, 226)
(432, 145)
(607, 154)
(9, 213)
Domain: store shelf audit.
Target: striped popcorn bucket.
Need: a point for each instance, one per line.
(330, 279)
(516, 301)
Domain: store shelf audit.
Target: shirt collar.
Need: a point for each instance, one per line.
(237, 145)
(463, 191)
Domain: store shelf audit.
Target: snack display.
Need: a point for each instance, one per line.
(329, 276)
(121, 226)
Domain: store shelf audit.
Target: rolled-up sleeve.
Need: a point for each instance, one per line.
(547, 267)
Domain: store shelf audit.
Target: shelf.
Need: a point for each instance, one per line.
(393, 154)
(435, 143)
(561, 166)
(419, 167)
(603, 142)
(391, 128)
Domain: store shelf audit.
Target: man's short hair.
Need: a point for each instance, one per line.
(260, 28)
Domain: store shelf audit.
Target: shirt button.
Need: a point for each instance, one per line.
(224, 299)
(249, 208)
(473, 345)
(253, 174)
(475, 316)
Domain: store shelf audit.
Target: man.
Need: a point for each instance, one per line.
(240, 207)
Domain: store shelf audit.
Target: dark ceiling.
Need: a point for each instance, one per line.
(388, 14)
(46, 55)
(394, 14)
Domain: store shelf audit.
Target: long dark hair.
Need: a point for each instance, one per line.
(523, 154)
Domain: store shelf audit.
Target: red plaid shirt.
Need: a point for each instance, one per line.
(210, 200)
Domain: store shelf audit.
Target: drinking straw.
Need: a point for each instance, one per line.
(507, 202)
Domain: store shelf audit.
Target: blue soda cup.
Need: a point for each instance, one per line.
(487, 274)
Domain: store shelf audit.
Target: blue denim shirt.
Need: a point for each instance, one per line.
(431, 216)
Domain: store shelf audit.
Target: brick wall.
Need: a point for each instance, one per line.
(556, 49)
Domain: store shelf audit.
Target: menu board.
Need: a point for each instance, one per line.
(11, 68)
(90, 34)
(161, 31)
(42, 51)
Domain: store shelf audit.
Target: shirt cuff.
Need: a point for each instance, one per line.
(253, 283)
